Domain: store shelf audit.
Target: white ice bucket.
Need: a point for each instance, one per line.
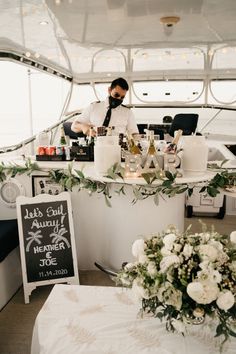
(107, 152)
(195, 155)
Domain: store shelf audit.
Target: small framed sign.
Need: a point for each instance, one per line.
(44, 185)
(47, 243)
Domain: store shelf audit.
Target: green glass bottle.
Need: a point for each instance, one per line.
(62, 137)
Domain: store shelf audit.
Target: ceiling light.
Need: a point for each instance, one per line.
(168, 23)
(27, 54)
(43, 23)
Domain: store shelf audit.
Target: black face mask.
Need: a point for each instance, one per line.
(114, 102)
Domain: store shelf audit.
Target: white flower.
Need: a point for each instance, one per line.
(210, 274)
(232, 266)
(208, 252)
(168, 261)
(174, 298)
(225, 300)
(143, 258)
(204, 265)
(216, 244)
(152, 269)
(138, 248)
(177, 247)
(170, 296)
(129, 266)
(203, 292)
(178, 325)
(187, 251)
(215, 276)
(138, 290)
(222, 257)
(205, 236)
(233, 237)
(165, 251)
(169, 240)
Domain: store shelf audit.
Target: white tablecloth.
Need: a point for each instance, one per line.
(104, 320)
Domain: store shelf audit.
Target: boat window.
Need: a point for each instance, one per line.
(109, 61)
(82, 96)
(30, 101)
(222, 91)
(224, 58)
(168, 59)
(168, 91)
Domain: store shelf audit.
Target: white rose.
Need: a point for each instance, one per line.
(138, 248)
(169, 240)
(208, 252)
(203, 292)
(225, 300)
(187, 251)
(233, 237)
(178, 325)
(151, 269)
(168, 261)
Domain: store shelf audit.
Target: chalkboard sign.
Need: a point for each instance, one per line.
(47, 242)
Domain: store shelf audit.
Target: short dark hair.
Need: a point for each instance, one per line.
(120, 82)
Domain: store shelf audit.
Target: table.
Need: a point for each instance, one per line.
(79, 319)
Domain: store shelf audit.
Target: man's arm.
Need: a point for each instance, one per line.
(78, 127)
(82, 123)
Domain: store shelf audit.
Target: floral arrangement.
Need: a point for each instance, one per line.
(185, 278)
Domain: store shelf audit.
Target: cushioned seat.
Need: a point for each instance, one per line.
(184, 121)
(9, 238)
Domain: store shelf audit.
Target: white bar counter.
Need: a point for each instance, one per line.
(105, 234)
(79, 319)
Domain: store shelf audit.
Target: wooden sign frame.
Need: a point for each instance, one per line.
(47, 241)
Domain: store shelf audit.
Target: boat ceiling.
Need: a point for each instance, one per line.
(67, 33)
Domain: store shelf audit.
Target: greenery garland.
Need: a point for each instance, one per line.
(70, 177)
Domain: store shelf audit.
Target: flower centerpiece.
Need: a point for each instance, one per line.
(185, 278)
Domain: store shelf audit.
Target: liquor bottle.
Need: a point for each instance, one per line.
(90, 138)
(133, 147)
(172, 147)
(151, 159)
(62, 137)
(151, 148)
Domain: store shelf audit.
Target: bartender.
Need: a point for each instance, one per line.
(108, 113)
